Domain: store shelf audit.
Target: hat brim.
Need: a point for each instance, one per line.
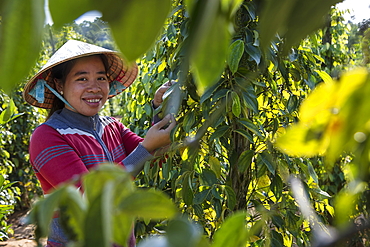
(117, 70)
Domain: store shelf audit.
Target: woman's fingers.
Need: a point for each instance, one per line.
(159, 134)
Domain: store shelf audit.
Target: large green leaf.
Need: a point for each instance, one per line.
(137, 25)
(292, 19)
(94, 181)
(20, 39)
(74, 210)
(94, 224)
(210, 48)
(233, 232)
(182, 233)
(148, 204)
(273, 18)
(62, 12)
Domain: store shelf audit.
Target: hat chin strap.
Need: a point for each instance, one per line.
(38, 92)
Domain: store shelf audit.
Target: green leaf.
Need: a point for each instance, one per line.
(136, 26)
(95, 180)
(201, 196)
(236, 51)
(94, 224)
(62, 13)
(215, 165)
(122, 227)
(273, 17)
(2, 180)
(245, 160)
(325, 76)
(277, 186)
(208, 177)
(312, 173)
(250, 101)
(21, 32)
(148, 204)
(187, 190)
(212, 43)
(233, 232)
(268, 161)
(46, 209)
(236, 108)
(245, 134)
(220, 131)
(251, 126)
(292, 103)
(254, 52)
(182, 233)
(305, 17)
(231, 197)
(74, 211)
(189, 120)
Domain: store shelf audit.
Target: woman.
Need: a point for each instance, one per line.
(75, 84)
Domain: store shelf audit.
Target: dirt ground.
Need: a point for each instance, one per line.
(23, 233)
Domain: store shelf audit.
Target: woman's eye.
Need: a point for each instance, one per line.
(102, 78)
(81, 79)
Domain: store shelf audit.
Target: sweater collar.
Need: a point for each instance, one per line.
(80, 121)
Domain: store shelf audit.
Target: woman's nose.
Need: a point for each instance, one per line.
(94, 86)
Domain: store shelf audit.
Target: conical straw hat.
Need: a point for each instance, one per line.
(120, 74)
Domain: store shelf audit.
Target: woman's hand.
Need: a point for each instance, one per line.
(159, 135)
(158, 96)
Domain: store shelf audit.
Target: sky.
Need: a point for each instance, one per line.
(359, 8)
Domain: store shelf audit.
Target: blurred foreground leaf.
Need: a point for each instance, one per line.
(21, 30)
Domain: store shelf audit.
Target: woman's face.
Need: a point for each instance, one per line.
(86, 87)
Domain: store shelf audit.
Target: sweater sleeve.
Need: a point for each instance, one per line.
(53, 159)
(137, 154)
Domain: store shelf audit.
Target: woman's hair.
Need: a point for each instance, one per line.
(60, 73)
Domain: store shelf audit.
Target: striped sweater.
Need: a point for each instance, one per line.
(69, 144)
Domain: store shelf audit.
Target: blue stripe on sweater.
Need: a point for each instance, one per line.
(92, 159)
(50, 153)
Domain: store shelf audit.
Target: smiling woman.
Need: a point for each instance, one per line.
(74, 84)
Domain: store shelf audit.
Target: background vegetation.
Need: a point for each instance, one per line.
(235, 169)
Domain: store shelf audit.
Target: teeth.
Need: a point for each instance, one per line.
(93, 100)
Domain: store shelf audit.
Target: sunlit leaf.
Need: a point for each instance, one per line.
(215, 165)
(300, 141)
(6, 115)
(345, 203)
